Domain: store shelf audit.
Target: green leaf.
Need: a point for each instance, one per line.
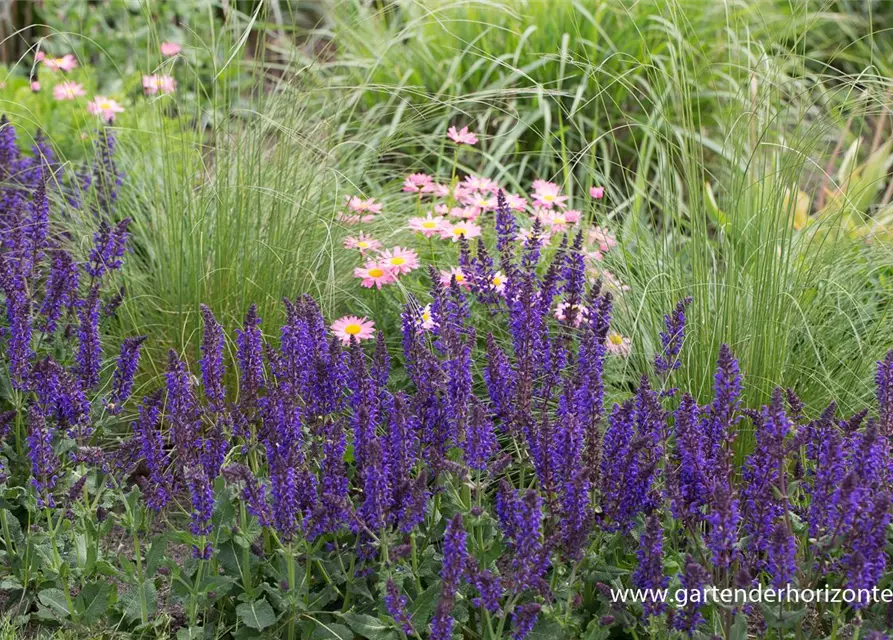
(155, 555)
(546, 629)
(368, 626)
(131, 601)
(55, 601)
(93, 600)
(331, 631)
(257, 615)
(739, 629)
(423, 606)
(191, 633)
(220, 585)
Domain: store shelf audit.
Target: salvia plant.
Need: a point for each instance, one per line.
(302, 490)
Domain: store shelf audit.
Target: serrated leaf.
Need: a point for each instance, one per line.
(423, 606)
(331, 631)
(155, 555)
(93, 600)
(256, 615)
(546, 629)
(368, 626)
(55, 601)
(133, 607)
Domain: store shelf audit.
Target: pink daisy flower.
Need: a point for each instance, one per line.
(352, 219)
(548, 195)
(597, 192)
(464, 229)
(455, 272)
(474, 183)
(558, 220)
(363, 242)
(68, 91)
(35, 86)
(609, 281)
(399, 260)
(428, 226)
(65, 63)
(427, 318)
(441, 209)
(158, 84)
(105, 108)
(375, 274)
(498, 282)
(480, 200)
(460, 191)
(438, 190)
(465, 213)
(526, 234)
(618, 345)
(355, 203)
(579, 312)
(353, 327)
(595, 255)
(462, 136)
(602, 238)
(170, 49)
(417, 182)
(515, 202)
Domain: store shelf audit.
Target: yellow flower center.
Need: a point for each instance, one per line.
(459, 231)
(426, 315)
(496, 281)
(558, 220)
(352, 329)
(548, 198)
(375, 273)
(397, 261)
(362, 244)
(430, 224)
(615, 338)
(460, 277)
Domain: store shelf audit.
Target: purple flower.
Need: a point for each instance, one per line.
(211, 362)
(523, 620)
(884, 382)
(723, 520)
(202, 496)
(763, 481)
(122, 381)
(106, 177)
(254, 492)
(89, 355)
(395, 603)
(782, 556)
(455, 558)
(44, 463)
(250, 354)
(520, 518)
(333, 512)
(151, 446)
(720, 418)
(688, 476)
(61, 289)
(500, 379)
(182, 409)
(480, 443)
(671, 340)
(649, 573)
(489, 588)
(865, 559)
(109, 246)
(19, 331)
(693, 578)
